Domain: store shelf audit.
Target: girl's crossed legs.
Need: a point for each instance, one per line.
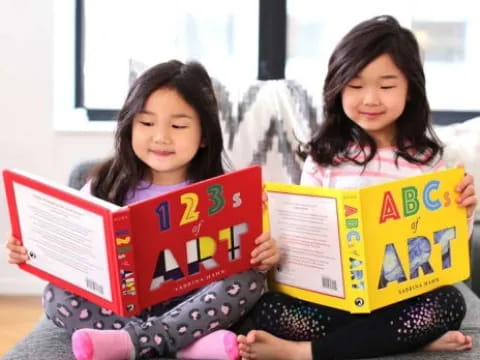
(214, 307)
(319, 332)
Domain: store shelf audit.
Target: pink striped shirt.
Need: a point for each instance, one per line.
(380, 169)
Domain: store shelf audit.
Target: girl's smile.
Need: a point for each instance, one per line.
(371, 115)
(161, 153)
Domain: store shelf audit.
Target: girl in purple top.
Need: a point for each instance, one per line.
(168, 135)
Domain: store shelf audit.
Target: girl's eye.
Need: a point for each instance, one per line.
(146, 123)
(387, 87)
(179, 126)
(354, 86)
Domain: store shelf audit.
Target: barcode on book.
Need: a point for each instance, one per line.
(329, 283)
(92, 285)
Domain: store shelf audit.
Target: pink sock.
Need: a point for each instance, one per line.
(218, 345)
(89, 344)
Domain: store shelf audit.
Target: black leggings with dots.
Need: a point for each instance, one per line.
(335, 334)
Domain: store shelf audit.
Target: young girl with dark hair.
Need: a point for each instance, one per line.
(376, 128)
(168, 136)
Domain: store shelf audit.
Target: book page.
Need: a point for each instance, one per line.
(307, 231)
(64, 240)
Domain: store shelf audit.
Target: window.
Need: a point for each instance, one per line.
(119, 45)
(448, 37)
(294, 40)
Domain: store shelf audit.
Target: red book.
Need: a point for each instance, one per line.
(128, 258)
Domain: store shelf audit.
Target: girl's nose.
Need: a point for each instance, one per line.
(371, 97)
(162, 136)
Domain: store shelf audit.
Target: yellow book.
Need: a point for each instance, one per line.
(360, 250)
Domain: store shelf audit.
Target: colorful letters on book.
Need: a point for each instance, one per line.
(360, 250)
(129, 258)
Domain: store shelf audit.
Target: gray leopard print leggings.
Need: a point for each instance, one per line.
(168, 327)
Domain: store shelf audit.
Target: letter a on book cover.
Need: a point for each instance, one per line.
(132, 257)
(360, 250)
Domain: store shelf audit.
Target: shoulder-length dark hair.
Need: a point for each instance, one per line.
(415, 139)
(116, 176)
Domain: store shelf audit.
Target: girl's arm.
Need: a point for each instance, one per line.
(266, 254)
(16, 253)
(467, 198)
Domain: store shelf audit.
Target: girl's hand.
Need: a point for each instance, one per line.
(265, 255)
(16, 253)
(467, 197)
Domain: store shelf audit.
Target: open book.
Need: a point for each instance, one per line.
(360, 250)
(128, 258)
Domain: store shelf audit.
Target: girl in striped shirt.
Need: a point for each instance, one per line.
(376, 128)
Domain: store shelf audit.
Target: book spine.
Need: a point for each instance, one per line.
(125, 272)
(354, 254)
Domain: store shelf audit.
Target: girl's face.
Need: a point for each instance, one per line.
(376, 98)
(166, 135)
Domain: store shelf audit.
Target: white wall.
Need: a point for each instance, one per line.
(27, 138)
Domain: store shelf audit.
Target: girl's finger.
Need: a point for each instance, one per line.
(471, 201)
(466, 181)
(256, 260)
(19, 254)
(459, 164)
(467, 192)
(261, 248)
(264, 196)
(17, 249)
(12, 240)
(263, 256)
(262, 238)
(15, 259)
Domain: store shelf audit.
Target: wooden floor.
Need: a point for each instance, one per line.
(18, 315)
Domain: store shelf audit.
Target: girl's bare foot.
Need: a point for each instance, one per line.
(261, 345)
(451, 341)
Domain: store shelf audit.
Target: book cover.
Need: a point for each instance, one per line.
(128, 258)
(360, 250)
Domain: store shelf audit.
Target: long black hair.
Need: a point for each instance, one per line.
(415, 139)
(116, 176)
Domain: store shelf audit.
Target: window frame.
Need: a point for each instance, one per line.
(271, 62)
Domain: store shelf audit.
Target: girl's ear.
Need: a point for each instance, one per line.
(202, 144)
